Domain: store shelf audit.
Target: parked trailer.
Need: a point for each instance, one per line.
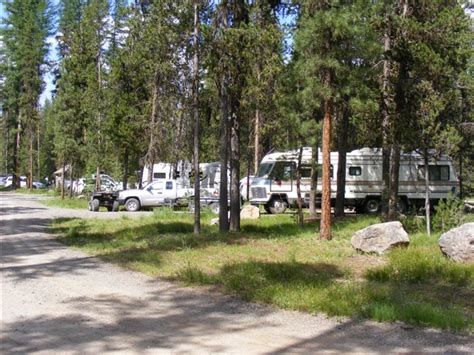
(274, 185)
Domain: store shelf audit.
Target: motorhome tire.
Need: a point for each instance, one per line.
(132, 205)
(402, 206)
(277, 206)
(214, 207)
(372, 205)
(94, 205)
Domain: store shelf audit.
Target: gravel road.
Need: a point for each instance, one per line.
(57, 300)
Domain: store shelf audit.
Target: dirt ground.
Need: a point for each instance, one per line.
(58, 300)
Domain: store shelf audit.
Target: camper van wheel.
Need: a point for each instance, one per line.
(94, 205)
(277, 206)
(372, 205)
(132, 205)
(214, 207)
(402, 206)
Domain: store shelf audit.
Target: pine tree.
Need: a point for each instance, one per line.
(26, 27)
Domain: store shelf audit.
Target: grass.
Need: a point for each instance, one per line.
(75, 203)
(273, 261)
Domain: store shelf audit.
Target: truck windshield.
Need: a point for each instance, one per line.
(264, 169)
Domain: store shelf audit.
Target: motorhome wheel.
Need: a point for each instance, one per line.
(277, 206)
(214, 207)
(132, 205)
(372, 205)
(402, 205)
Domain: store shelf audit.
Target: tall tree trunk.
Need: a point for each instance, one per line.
(125, 168)
(298, 189)
(385, 110)
(98, 186)
(257, 141)
(325, 231)
(427, 193)
(63, 179)
(30, 162)
(235, 174)
(341, 166)
(38, 139)
(197, 185)
(223, 157)
(151, 154)
(314, 180)
(394, 172)
(16, 157)
(71, 184)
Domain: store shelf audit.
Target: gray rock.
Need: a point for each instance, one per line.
(250, 212)
(458, 243)
(378, 238)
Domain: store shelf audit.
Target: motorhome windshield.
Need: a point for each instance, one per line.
(264, 169)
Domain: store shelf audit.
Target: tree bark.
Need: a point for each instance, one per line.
(71, 184)
(16, 158)
(325, 231)
(63, 179)
(29, 181)
(427, 193)
(298, 190)
(257, 141)
(385, 111)
(197, 185)
(394, 173)
(235, 174)
(223, 157)
(125, 168)
(341, 166)
(314, 180)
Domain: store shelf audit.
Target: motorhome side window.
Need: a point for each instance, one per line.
(305, 171)
(283, 170)
(437, 172)
(159, 176)
(355, 171)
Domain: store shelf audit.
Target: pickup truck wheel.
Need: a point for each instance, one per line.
(132, 205)
(372, 205)
(94, 205)
(277, 206)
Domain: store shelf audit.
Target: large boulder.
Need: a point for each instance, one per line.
(377, 238)
(458, 243)
(250, 212)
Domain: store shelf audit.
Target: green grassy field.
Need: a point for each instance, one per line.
(273, 261)
(66, 202)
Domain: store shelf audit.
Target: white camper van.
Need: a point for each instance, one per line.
(274, 186)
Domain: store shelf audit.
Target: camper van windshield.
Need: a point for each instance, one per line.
(264, 169)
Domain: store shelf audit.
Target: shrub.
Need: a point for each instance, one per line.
(449, 213)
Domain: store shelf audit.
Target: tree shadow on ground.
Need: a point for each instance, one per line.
(172, 319)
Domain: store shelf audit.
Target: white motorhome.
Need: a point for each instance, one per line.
(274, 186)
(178, 172)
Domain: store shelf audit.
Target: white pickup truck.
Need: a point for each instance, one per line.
(155, 194)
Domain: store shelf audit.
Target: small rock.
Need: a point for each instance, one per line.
(214, 221)
(250, 212)
(380, 237)
(458, 243)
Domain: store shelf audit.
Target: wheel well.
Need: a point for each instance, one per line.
(281, 197)
(136, 198)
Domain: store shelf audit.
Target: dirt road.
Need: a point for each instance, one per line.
(57, 300)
